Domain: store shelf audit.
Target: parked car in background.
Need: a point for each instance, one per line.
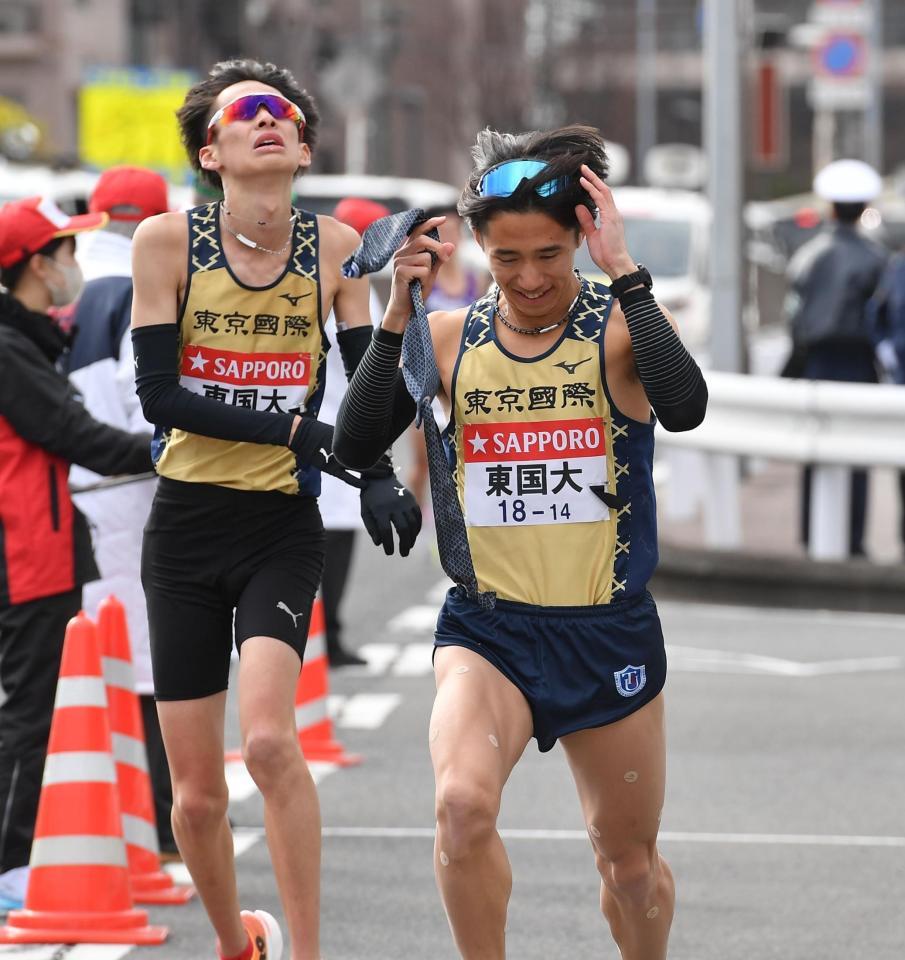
(668, 231)
(68, 187)
(320, 192)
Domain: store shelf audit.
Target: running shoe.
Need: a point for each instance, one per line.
(264, 931)
(13, 886)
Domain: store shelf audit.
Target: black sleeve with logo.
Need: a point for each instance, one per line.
(377, 406)
(168, 404)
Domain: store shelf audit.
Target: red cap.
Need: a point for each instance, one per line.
(28, 225)
(129, 193)
(360, 213)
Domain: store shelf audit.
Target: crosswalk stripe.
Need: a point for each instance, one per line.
(243, 840)
(367, 711)
(421, 618)
(437, 593)
(56, 951)
(379, 655)
(241, 786)
(414, 661)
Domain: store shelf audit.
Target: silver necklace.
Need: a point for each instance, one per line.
(533, 331)
(254, 245)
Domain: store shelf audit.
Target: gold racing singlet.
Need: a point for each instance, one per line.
(528, 439)
(256, 347)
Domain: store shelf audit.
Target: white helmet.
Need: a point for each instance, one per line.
(848, 181)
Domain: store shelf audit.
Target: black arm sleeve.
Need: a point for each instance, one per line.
(377, 406)
(353, 344)
(166, 403)
(42, 407)
(671, 379)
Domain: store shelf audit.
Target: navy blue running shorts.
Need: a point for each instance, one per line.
(578, 667)
(212, 555)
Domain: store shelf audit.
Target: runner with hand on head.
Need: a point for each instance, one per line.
(554, 384)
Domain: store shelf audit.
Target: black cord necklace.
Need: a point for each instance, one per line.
(260, 223)
(534, 331)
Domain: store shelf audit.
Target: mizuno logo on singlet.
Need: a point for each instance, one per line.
(571, 367)
(295, 616)
(294, 298)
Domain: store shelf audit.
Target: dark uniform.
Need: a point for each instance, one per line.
(832, 277)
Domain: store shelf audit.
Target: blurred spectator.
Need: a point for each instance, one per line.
(458, 284)
(101, 366)
(831, 278)
(339, 503)
(46, 547)
(886, 318)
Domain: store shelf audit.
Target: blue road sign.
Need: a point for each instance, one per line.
(842, 55)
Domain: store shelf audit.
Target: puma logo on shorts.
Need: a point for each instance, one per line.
(295, 616)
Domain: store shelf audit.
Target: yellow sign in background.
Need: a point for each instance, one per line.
(129, 116)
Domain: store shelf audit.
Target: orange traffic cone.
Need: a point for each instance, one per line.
(148, 882)
(314, 725)
(78, 888)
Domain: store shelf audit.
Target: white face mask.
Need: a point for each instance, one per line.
(73, 281)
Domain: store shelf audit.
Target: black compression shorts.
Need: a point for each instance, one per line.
(210, 552)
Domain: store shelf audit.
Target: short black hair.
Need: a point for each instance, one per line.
(198, 106)
(10, 276)
(564, 149)
(849, 212)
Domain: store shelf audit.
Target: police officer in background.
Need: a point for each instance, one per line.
(831, 279)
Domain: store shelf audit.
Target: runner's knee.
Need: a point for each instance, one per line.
(199, 806)
(630, 877)
(268, 752)
(466, 815)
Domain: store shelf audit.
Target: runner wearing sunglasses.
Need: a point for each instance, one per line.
(550, 381)
(229, 303)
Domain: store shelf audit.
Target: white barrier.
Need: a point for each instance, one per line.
(829, 425)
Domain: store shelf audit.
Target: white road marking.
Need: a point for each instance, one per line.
(82, 951)
(701, 660)
(437, 593)
(670, 836)
(846, 618)
(244, 838)
(241, 786)
(379, 656)
(367, 711)
(414, 661)
(418, 619)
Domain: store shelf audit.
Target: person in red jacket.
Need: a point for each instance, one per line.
(45, 546)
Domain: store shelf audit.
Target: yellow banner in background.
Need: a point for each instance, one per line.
(129, 116)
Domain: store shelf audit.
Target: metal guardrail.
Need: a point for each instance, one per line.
(805, 421)
(108, 482)
(833, 426)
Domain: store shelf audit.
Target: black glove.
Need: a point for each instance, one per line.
(312, 443)
(386, 504)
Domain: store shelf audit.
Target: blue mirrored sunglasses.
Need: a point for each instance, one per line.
(504, 179)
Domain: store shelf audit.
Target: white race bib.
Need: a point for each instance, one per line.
(534, 473)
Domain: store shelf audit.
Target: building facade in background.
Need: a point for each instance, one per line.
(405, 85)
